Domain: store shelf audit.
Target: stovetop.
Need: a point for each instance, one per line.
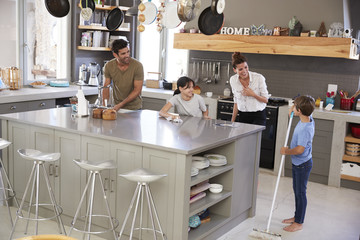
(272, 101)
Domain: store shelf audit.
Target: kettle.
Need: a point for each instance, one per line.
(356, 104)
(94, 69)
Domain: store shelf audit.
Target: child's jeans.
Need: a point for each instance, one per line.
(300, 176)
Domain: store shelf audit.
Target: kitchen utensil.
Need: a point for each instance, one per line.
(170, 16)
(87, 9)
(150, 12)
(210, 23)
(88, 3)
(115, 18)
(58, 8)
(94, 69)
(187, 10)
(217, 6)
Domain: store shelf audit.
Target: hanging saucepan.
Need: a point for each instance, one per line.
(115, 18)
(210, 23)
(149, 13)
(58, 8)
(217, 6)
(187, 10)
(170, 16)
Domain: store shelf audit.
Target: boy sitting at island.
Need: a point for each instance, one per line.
(301, 158)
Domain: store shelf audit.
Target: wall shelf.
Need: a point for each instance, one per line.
(94, 48)
(107, 7)
(278, 45)
(101, 28)
(351, 178)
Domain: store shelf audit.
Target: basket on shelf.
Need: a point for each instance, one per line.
(11, 77)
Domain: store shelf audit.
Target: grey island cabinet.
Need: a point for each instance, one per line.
(143, 139)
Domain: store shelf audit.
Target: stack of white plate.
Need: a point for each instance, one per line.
(200, 162)
(216, 160)
(194, 171)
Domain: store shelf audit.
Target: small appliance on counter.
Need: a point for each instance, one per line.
(356, 104)
(94, 69)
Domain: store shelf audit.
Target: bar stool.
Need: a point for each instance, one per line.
(6, 187)
(94, 169)
(39, 159)
(143, 177)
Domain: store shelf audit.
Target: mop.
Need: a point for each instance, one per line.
(259, 234)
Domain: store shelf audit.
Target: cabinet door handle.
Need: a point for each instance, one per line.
(42, 104)
(112, 183)
(13, 107)
(51, 169)
(106, 184)
(56, 170)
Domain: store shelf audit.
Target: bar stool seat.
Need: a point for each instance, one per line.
(94, 169)
(39, 158)
(143, 177)
(8, 192)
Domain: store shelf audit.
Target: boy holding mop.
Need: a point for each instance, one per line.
(301, 157)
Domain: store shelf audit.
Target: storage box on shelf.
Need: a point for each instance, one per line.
(98, 39)
(355, 160)
(218, 204)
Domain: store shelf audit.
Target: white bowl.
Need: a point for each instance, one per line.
(216, 188)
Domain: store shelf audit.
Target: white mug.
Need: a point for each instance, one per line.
(208, 94)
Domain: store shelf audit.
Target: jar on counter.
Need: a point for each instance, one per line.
(73, 102)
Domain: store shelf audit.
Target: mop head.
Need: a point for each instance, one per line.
(258, 234)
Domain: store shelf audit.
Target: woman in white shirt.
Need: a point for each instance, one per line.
(250, 92)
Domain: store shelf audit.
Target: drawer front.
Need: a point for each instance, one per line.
(41, 104)
(14, 107)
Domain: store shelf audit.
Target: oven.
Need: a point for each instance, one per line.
(268, 139)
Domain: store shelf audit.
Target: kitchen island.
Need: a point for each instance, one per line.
(143, 139)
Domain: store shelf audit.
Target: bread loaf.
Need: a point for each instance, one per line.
(97, 113)
(109, 114)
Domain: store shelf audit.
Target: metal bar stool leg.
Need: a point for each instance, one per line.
(107, 205)
(129, 210)
(31, 198)
(156, 215)
(53, 202)
(79, 206)
(7, 187)
(135, 212)
(19, 211)
(150, 210)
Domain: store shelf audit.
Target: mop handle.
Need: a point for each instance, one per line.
(279, 174)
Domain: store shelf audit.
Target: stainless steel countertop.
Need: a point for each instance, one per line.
(144, 128)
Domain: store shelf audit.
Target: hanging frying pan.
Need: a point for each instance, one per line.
(210, 23)
(187, 10)
(170, 16)
(115, 18)
(217, 6)
(58, 8)
(150, 12)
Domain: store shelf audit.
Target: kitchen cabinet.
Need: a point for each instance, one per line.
(153, 103)
(283, 45)
(100, 28)
(321, 154)
(26, 106)
(347, 180)
(68, 145)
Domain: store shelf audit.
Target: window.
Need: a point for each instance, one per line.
(157, 54)
(44, 49)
